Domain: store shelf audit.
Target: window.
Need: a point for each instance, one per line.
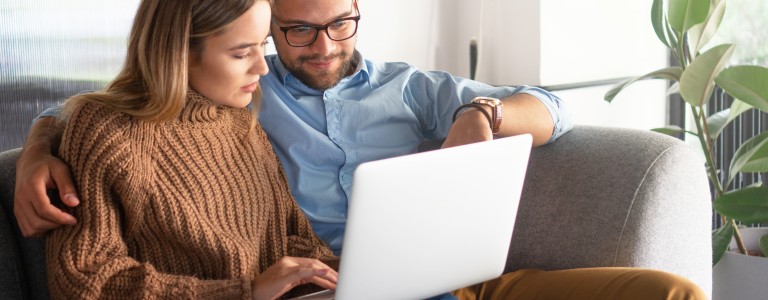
(50, 50)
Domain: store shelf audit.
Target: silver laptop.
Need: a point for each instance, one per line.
(424, 224)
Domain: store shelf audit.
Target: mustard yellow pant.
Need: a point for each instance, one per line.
(588, 283)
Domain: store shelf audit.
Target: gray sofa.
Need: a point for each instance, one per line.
(597, 197)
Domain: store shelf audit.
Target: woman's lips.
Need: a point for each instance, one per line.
(250, 88)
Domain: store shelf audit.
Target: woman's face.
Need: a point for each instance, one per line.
(232, 61)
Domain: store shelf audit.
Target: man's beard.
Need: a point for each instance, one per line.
(325, 79)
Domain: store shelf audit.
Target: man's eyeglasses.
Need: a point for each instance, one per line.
(305, 35)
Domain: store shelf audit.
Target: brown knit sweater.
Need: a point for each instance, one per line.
(191, 208)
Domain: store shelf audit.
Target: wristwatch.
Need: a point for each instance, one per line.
(495, 105)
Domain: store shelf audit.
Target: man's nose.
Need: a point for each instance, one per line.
(323, 45)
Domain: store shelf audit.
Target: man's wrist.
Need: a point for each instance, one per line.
(477, 108)
(44, 136)
(473, 118)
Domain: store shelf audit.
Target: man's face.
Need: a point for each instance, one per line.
(322, 64)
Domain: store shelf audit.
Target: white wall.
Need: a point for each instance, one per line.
(547, 42)
(400, 30)
(597, 39)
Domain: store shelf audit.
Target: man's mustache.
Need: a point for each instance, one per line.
(303, 59)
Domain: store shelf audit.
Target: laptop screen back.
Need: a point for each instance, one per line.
(428, 223)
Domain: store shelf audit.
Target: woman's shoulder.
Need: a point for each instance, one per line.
(94, 114)
(91, 128)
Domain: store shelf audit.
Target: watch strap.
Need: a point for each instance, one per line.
(476, 106)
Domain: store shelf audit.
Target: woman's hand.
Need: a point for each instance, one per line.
(289, 272)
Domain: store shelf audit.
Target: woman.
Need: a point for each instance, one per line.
(181, 194)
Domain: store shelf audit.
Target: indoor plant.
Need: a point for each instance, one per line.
(685, 27)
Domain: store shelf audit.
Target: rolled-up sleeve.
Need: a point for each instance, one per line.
(53, 111)
(557, 110)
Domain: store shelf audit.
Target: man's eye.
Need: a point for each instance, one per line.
(301, 30)
(339, 24)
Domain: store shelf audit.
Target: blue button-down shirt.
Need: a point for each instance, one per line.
(382, 110)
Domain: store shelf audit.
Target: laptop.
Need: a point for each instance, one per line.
(425, 224)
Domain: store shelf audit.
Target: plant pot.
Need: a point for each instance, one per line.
(738, 276)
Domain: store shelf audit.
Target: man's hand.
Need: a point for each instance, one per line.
(37, 170)
(289, 272)
(471, 126)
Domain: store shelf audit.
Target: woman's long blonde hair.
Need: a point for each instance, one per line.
(152, 85)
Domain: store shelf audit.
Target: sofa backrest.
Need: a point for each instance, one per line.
(22, 99)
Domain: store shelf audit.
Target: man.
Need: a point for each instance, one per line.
(326, 110)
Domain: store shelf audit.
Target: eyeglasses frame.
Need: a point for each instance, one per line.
(319, 28)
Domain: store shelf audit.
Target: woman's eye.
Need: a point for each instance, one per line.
(242, 56)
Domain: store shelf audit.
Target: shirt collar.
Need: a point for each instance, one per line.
(361, 70)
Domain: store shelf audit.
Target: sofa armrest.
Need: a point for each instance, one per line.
(12, 275)
(12, 284)
(613, 197)
(22, 274)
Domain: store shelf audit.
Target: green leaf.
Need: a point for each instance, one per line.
(672, 130)
(758, 163)
(746, 205)
(683, 14)
(698, 80)
(746, 83)
(671, 34)
(658, 21)
(763, 245)
(674, 89)
(721, 238)
(701, 34)
(756, 184)
(717, 121)
(750, 157)
(737, 108)
(671, 73)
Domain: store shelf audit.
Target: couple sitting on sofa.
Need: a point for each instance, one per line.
(178, 191)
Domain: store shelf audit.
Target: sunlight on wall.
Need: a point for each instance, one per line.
(640, 106)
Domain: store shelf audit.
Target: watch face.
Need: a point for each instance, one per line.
(495, 105)
(487, 100)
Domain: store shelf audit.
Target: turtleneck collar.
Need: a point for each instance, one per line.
(200, 109)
